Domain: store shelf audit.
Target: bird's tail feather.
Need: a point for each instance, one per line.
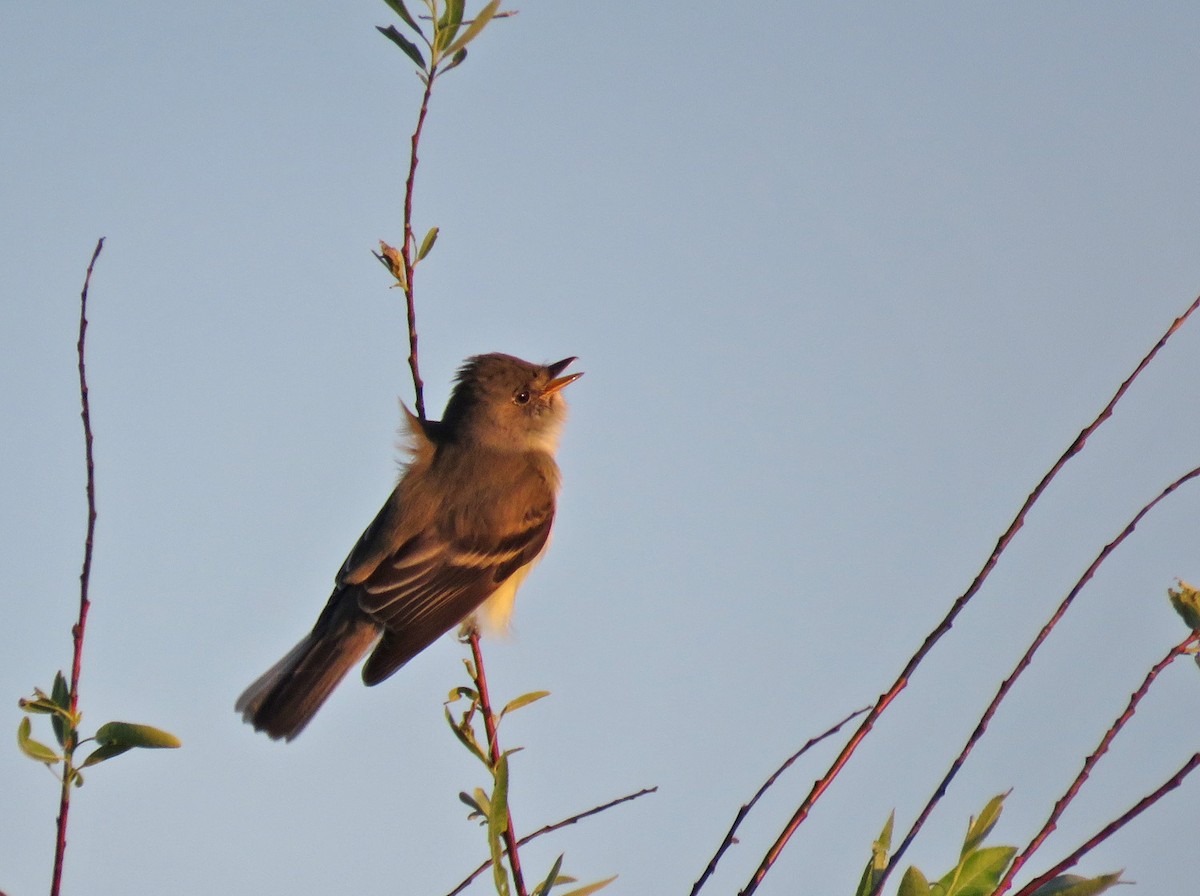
(286, 697)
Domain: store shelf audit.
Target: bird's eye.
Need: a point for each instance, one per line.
(522, 397)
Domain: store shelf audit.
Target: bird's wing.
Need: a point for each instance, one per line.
(436, 579)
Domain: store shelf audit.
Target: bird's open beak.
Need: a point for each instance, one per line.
(560, 382)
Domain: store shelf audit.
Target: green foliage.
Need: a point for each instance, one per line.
(112, 738)
(450, 37)
(980, 868)
(1186, 601)
(878, 861)
(490, 810)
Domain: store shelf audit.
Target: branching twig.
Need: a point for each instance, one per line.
(745, 810)
(489, 723)
(1111, 828)
(554, 827)
(409, 248)
(1021, 666)
(945, 625)
(64, 803)
(1090, 763)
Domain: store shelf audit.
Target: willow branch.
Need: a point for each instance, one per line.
(745, 810)
(550, 828)
(77, 630)
(1112, 827)
(1022, 665)
(409, 248)
(1105, 742)
(885, 699)
(489, 723)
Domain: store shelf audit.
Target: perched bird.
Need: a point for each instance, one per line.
(468, 519)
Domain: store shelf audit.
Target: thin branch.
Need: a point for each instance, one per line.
(1090, 763)
(945, 625)
(554, 827)
(409, 247)
(77, 630)
(489, 723)
(745, 810)
(1022, 665)
(1111, 828)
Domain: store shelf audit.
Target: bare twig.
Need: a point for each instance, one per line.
(409, 248)
(489, 723)
(1090, 763)
(745, 810)
(1021, 666)
(885, 699)
(554, 827)
(77, 630)
(1111, 828)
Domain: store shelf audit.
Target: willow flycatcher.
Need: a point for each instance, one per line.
(468, 519)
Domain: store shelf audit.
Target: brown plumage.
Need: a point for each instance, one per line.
(471, 514)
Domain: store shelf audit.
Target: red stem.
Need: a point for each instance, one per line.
(1065, 800)
(77, 630)
(1111, 828)
(489, 724)
(1022, 664)
(406, 251)
(945, 625)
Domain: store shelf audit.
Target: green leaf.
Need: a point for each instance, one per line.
(477, 25)
(448, 25)
(129, 734)
(61, 696)
(497, 824)
(879, 859)
(543, 889)
(411, 50)
(459, 58)
(1186, 602)
(466, 737)
(460, 692)
(426, 245)
(978, 873)
(1074, 885)
(105, 751)
(498, 810)
(913, 883)
(32, 748)
(40, 704)
(524, 700)
(980, 827)
(591, 888)
(399, 9)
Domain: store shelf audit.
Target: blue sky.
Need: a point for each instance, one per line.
(845, 280)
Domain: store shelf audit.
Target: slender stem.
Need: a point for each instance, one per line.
(554, 827)
(730, 836)
(77, 630)
(1112, 827)
(1022, 665)
(408, 250)
(489, 724)
(945, 625)
(1105, 742)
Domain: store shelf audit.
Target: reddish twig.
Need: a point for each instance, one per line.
(1090, 763)
(408, 249)
(745, 810)
(489, 723)
(885, 700)
(1021, 666)
(1111, 828)
(550, 828)
(77, 630)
